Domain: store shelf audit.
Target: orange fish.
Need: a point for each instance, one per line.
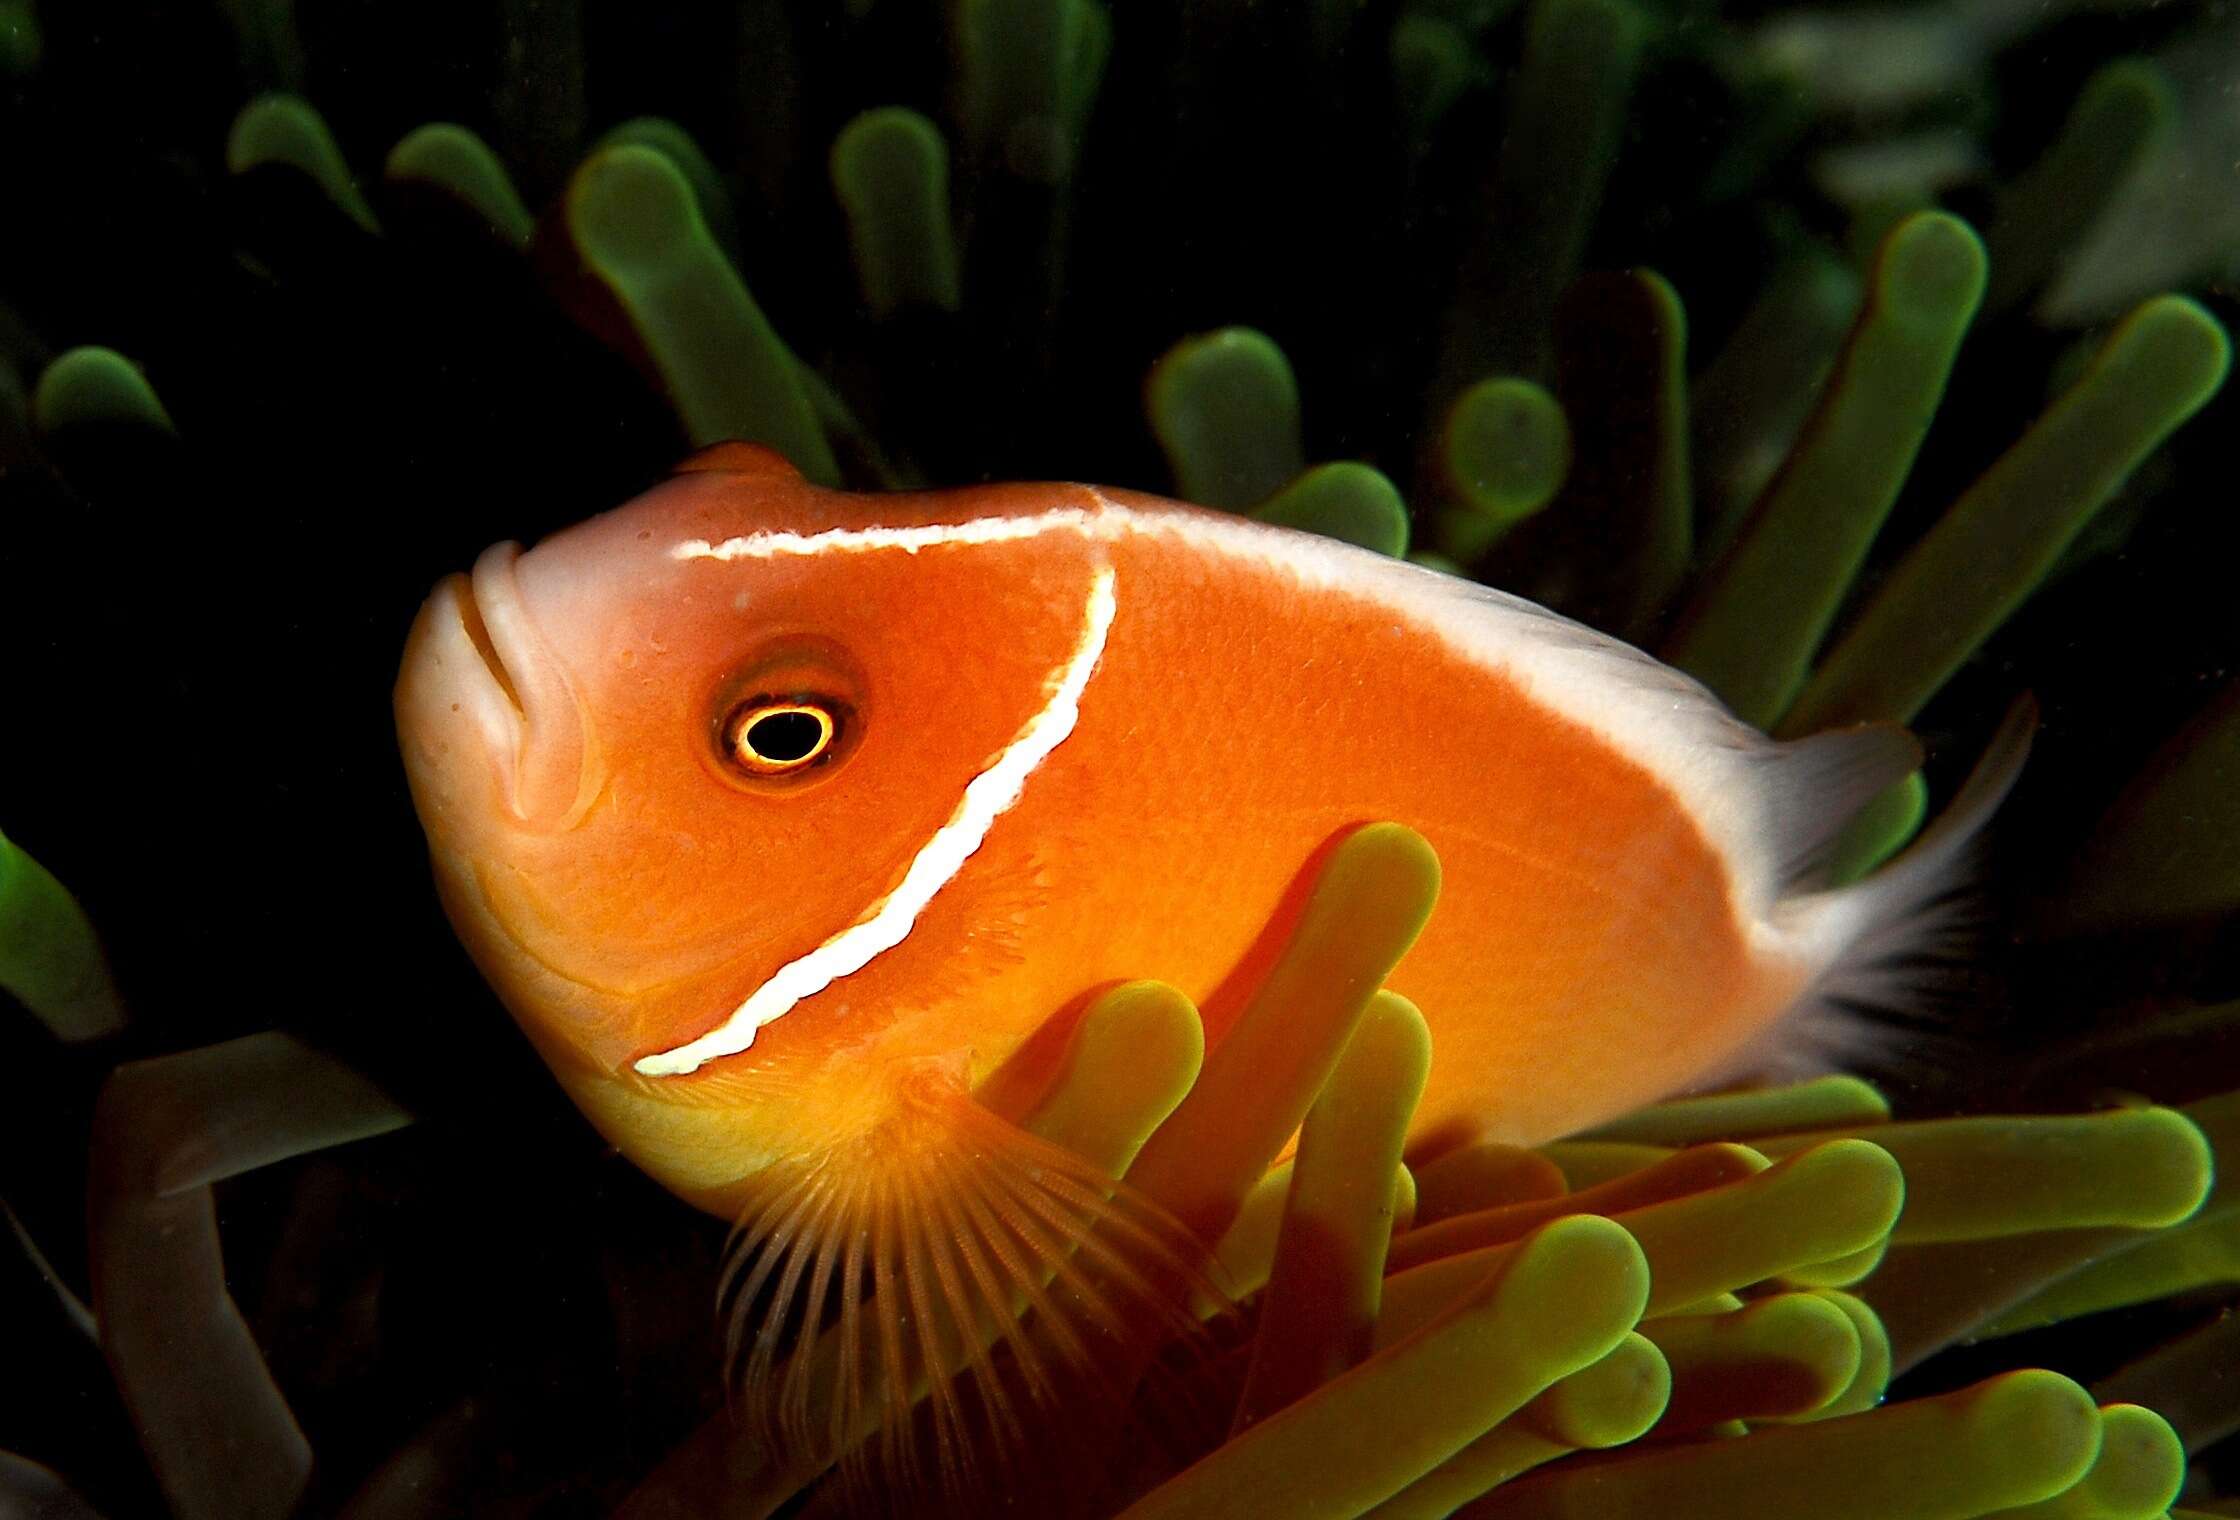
(748, 795)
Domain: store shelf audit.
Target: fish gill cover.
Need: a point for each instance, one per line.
(305, 304)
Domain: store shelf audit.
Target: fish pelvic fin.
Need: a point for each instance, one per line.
(1893, 944)
(913, 1303)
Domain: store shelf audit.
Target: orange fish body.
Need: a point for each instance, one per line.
(1064, 737)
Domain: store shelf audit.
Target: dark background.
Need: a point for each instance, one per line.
(200, 633)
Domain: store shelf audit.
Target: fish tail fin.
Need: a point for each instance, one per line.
(1885, 946)
(898, 1302)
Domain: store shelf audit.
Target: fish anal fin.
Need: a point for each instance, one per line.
(940, 1297)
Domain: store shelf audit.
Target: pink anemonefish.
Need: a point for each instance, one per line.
(748, 793)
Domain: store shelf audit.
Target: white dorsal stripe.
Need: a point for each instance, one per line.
(987, 797)
(978, 530)
(1658, 717)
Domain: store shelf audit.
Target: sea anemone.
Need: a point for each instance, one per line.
(1385, 222)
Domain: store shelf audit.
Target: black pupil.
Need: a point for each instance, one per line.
(785, 736)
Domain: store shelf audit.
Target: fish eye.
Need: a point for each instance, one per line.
(770, 735)
(785, 718)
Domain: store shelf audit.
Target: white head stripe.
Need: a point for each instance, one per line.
(987, 797)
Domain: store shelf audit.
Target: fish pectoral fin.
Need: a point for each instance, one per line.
(897, 1300)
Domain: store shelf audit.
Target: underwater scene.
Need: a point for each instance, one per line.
(1090, 758)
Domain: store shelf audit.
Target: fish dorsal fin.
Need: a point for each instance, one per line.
(1936, 854)
(736, 456)
(1663, 719)
(1816, 785)
(1888, 944)
(1772, 809)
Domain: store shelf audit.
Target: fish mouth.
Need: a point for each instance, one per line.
(478, 636)
(476, 658)
(453, 657)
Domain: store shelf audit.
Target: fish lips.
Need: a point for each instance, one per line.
(485, 713)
